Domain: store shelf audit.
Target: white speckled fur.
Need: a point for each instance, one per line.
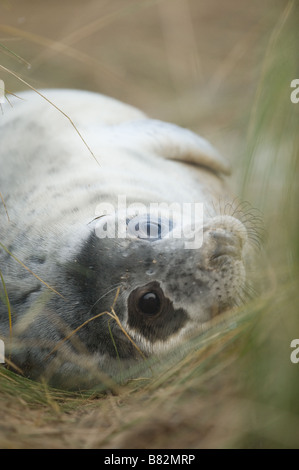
(52, 185)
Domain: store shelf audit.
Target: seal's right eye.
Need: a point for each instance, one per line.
(146, 303)
(149, 304)
(152, 315)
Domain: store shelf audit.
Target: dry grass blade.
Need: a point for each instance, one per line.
(7, 303)
(268, 57)
(111, 314)
(13, 54)
(58, 345)
(61, 48)
(4, 205)
(54, 105)
(115, 317)
(29, 270)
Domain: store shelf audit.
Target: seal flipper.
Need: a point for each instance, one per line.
(114, 123)
(172, 142)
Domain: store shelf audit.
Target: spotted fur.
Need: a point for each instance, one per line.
(86, 322)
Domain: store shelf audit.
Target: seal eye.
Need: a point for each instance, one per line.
(149, 227)
(152, 315)
(149, 304)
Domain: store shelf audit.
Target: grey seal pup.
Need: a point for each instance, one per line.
(85, 302)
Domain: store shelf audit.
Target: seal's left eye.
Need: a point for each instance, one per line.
(149, 303)
(149, 227)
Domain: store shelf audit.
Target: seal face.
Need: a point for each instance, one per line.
(93, 283)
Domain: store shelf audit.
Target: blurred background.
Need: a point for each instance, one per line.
(197, 63)
(222, 69)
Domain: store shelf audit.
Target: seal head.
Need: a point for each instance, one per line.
(85, 301)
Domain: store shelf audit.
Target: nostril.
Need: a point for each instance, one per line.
(227, 230)
(226, 238)
(228, 251)
(227, 243)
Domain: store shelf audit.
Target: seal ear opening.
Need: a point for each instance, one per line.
(176, 143)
